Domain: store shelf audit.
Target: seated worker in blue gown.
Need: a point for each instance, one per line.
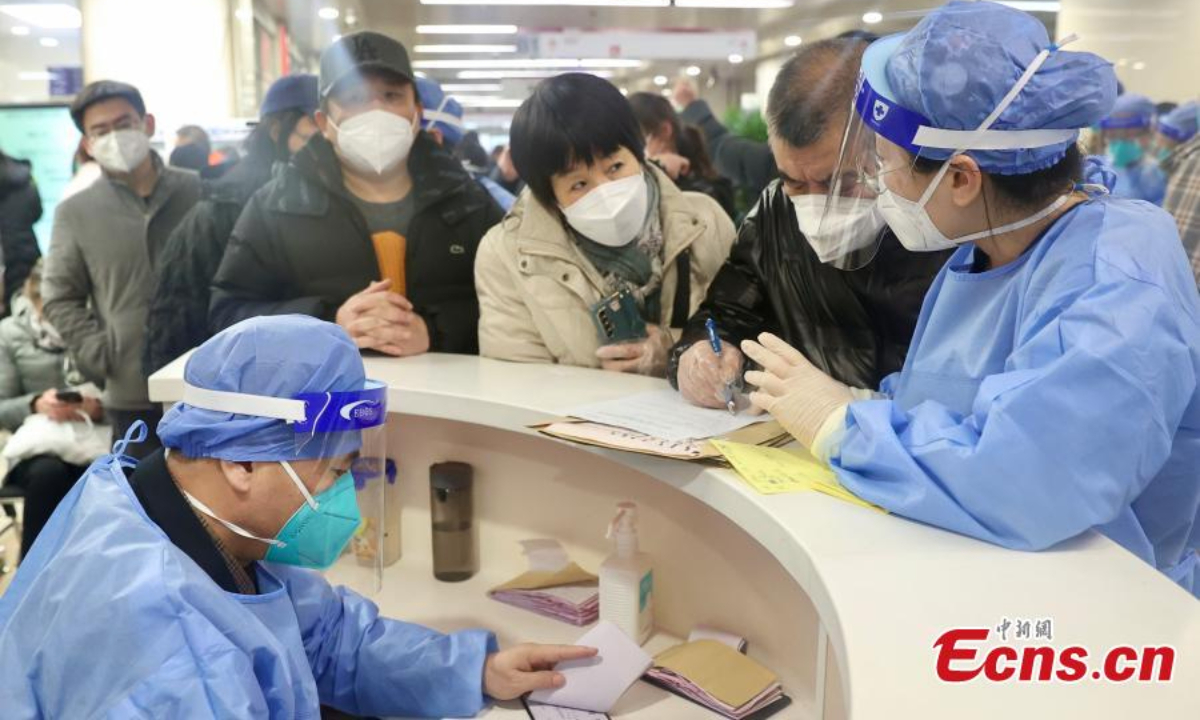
(1127, 133)
(147, 593)
(1051, 385)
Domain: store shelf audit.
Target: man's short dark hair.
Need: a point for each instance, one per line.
(814, 88)
(570, 118)
(864, 35)
(195, 135)
(102, 90)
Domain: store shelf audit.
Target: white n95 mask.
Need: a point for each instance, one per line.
(836, 226)
(916, 231)
(121, 150)
(611, 214)
(375, 141)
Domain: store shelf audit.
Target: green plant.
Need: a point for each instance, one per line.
(746, 123)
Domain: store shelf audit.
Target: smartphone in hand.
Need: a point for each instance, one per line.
(73, 397)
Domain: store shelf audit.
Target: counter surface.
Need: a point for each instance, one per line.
(885, 588)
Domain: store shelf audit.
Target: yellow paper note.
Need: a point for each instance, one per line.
(776, 470)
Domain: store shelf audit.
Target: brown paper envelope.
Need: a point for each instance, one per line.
(719, 670)
(538, 580)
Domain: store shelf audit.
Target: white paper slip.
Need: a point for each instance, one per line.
(545, 555)
(666, 415)
(553, 712)
(597, 683)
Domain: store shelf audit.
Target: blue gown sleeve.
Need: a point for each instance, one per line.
(368, 665)
(1081, 419)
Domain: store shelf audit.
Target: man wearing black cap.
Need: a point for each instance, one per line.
(105, 239)
(185, 268)
(371, 196)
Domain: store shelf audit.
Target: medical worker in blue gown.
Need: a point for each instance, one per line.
(1128, 134)
(1051, 385)
(180, 588)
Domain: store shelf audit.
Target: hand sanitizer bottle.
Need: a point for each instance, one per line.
(627, 579)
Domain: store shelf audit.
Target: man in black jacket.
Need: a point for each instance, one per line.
(20, 209)
(370, 195)
(184, 270)
(854, 325)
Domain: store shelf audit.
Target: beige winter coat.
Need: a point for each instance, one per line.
(536, 288)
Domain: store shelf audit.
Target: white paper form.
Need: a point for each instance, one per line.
(665, 414)
(597, 683)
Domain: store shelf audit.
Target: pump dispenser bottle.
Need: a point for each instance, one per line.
(627, 579)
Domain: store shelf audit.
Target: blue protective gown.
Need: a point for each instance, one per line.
(1049, 396)
(107, 618)
(1143, 180)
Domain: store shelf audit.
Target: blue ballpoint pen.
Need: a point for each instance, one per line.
(715, 340)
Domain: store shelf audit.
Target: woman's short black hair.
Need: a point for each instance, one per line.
(1030, 191)
(570, 118)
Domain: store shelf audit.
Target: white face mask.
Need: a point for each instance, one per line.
(839, 229)
(375, 141)
(611, 214)
(121, 150)
(911, 223)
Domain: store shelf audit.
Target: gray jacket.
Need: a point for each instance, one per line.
(26, 370)
(98, 277)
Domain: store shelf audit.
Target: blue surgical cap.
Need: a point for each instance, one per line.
(1181, 123)
(441, 111)
(960, 61)
(278, 356)
(1130, 111)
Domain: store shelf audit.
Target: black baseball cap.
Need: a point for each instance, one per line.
(102, 90)
(359, 51)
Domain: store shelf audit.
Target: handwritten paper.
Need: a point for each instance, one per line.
(665, 415)
(782, 470)
(621, 439)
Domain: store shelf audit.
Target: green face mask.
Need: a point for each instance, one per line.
(1124, 153)
(1162, 153)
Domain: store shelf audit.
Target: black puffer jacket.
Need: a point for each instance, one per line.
(302, 246)
(187, 264)
(20, 208)
(856, 326)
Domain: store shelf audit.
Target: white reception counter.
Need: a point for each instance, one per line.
(843, 602)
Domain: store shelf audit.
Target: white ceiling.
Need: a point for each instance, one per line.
(810, 19)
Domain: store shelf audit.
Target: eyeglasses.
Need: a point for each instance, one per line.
(127, 122)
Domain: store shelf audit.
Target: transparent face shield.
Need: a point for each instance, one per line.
(851, 228)
(336, 444)
(883, 138)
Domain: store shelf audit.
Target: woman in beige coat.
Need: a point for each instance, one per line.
(595, 219)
